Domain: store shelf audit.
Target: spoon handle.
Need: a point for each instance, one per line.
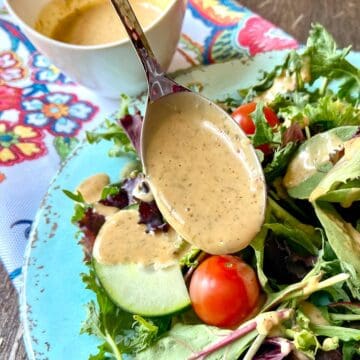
(159, 83)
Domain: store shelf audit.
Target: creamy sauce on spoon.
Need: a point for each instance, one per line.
(204, 174)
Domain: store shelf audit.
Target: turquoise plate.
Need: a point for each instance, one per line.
(53, 297)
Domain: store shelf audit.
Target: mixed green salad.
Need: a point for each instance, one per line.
(294, 293)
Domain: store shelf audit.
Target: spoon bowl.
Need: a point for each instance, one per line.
(202, 169)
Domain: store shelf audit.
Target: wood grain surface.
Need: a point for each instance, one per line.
(294, 16)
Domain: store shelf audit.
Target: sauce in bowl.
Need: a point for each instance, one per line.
(91, 22)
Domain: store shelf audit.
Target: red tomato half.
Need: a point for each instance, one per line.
(224, 290)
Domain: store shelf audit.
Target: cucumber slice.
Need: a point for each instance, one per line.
(144, 290)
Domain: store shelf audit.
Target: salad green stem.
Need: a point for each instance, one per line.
(344, 317)
(113, 346)
(236, 334)
(244, 329)
(324, 86)
(254, 347)
(312, 287)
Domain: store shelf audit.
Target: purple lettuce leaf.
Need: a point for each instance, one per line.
(132, 125)
(329, 355)
(125, 196)
(274, 348)
(290, 266)
(150, 216)
(129, 186)
(90, 225)
(294, 134)
(119, 200)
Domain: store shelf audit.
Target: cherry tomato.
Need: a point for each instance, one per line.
(224, 290)
(242, 116)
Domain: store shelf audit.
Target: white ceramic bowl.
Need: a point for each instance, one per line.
(109, 69)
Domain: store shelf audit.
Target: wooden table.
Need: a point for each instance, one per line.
(340, 18)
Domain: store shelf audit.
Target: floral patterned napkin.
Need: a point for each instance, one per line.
(43, 114)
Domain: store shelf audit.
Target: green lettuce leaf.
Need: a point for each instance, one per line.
(263, 132)
(344, 240)
(258, 245)
(329, 62)
(345, 172)
(294, 236)
(280, 161)
(121, 332)
(313, 160)
(342, 333)
(183, 340)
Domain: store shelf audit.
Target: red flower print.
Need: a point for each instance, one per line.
(10, 67)
(2, 177)
(10, 97)
(19, 142)
(259, 35)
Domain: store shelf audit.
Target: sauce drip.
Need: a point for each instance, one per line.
(122, 240)
(204, 174)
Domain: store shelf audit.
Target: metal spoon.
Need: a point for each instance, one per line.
(197, 218)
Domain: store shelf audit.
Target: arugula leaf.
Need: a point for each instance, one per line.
(190, 259)
(121, 332)
(109, 190)
(124, 106)
(280, 161)
(80, 207)
(115, 133)
(263, 132)
(329, 112)
(74, 196)
(326, 61)
(104, 320)
(292, 65)
(143, 335)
